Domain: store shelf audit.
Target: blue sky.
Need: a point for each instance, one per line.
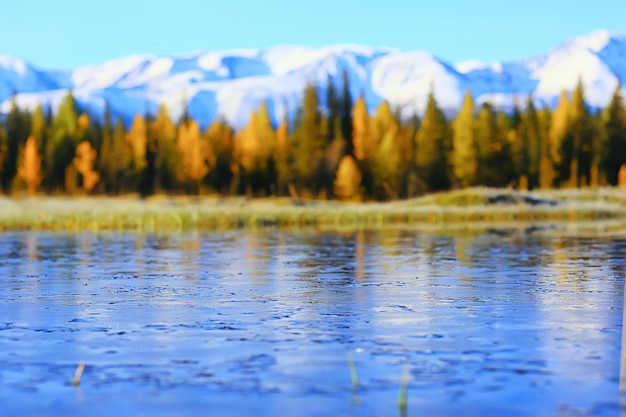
(68, 33)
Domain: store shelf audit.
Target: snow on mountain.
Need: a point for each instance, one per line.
(406, 78)
(232, 84)
(17, 76)
(571, 63)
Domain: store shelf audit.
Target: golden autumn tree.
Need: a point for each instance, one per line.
(621, 176)
(495, 161)
(464, 157)
(115, 158)
(432, 147)
(576, 144)
(137, 141)
(82, 133)
(84, 164)
(363, 145)
(254, 147)
(385, 163)
(306, 145)
(193, 151)
(558, 132)
(348, 181)
(362, 142)
(30, 170)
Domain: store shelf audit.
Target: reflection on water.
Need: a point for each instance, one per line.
(242, 322)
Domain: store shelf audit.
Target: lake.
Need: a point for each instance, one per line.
(523, 322)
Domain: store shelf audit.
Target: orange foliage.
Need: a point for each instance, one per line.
(361, 135)
(30, 171)
(348, 179)
(83, 162)
(137, 140)
(621, 176)
(194, 151)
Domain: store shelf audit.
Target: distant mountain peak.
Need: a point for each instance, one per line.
(596, 40)
(232, 84)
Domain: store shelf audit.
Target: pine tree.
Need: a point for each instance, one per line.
(410, 182)
(333, 118)
(281, 155)
(220, 139)
(495, 165)
(17, 131)
(39, 128)
(104, 150)
(61, 145)
(433, 147)
(167, 161)
(3, 148)
(577, 143)
(346, 114)
(518, 142)
(138, 144)
(615, 136)
(307, 144)
(533, 140)
(464, 158)
(500, 156)
(116, 159)
(595, 151)
(333, 154)
(547, 173)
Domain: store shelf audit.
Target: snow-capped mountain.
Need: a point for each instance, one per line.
(232, 84)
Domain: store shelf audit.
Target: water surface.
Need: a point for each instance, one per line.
(242, 323)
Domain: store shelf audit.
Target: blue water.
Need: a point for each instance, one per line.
(261, 323)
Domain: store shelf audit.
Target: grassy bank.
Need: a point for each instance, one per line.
(453, 209)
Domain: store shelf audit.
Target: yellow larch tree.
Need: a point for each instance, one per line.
(464, 159)
(348, 180)
(558, 130)
(84, 164)
(361, 134)
(137, 141)
(254, 147)
(194, 154)
(30, 170)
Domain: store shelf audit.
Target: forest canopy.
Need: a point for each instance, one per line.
(343, 152)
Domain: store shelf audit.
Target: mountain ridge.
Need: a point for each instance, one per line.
(231, 84)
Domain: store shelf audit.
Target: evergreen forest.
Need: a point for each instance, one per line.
(343, 152)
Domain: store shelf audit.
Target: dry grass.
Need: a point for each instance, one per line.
(480, 206)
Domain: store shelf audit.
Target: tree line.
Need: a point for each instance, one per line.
(342, 152)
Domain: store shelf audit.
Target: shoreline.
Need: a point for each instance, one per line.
(470, 208)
